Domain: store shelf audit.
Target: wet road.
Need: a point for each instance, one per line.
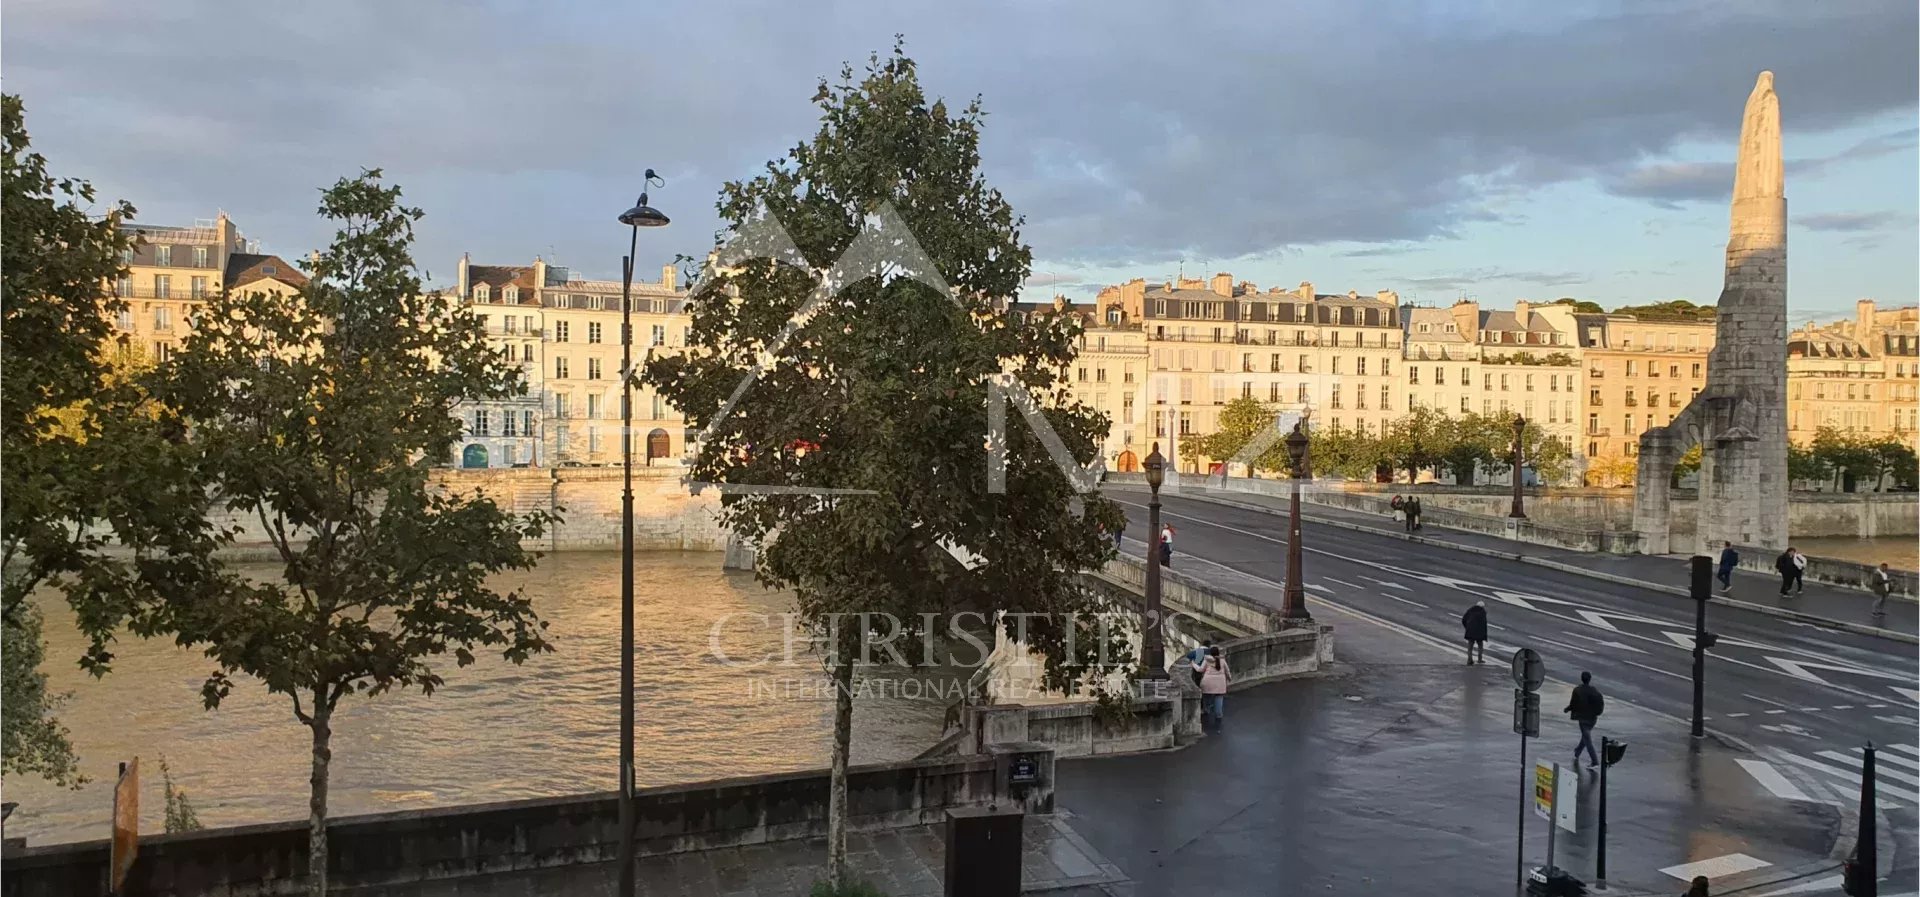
(1804, 698)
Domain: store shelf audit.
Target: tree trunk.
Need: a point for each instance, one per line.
(317, 802)
(842, 747)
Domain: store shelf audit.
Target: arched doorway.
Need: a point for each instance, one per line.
(658, 445)
(475, 455)
(1128, 462)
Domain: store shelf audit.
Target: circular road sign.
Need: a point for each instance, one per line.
(1528, 669)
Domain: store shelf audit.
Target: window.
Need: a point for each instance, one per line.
(509, 324)
(269, 269)
(1099, 375)
(1126, 405)
(507, 423)
(1486, 382)
(593, 369)
(1304, 367)
(162, 286)
(163, 256)
(198, 287)
(1219, 393)
(1336, 367)
(483, 293)
(1360, 398)
(1273, 392)
(1360, 366)
(1440, 376)
(1384, 369)
(482, 423)
(510, 294)
(1246, 361)
(659, 335)
(1081, 375)
(1246, 390)
(1486, 406)
(200, 257)
(1413, 375)
(1186, 423)
(1503, 383)
(1529, 382)
(526, 422)
(561, 331)
(125, 319)
(1186, 391)
(560, 404)
(593, 439)
(1631, 402)
(593, 332)
(1627, 426)
(163, 318)
(1126, 377)
(1632, 367)
(1335, 400)
(1302, 396)
(560, 368)
(526, 352)
(659, 408)
(1553, 383)
(1466, 405)
(1386, 397)
(593, 404)
(1273, 363)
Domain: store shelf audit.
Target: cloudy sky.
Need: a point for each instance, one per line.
(1499, 149)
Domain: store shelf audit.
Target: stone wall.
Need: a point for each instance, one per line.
(587, 499)
(458, 842)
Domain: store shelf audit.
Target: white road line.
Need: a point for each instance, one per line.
(1878, 771)
(1876, 706)
(1887, 756)
(1390, 585)
(1843, 706)
(1753, 697)
(1340, 581)
(1773, 712)
(1564, 645)
(1771, 779)
(1853, 779)
(1316, 587)
(1828, 884)
(1738, 715)
(1716, 867)
(1605, 643)
(1405, 601)
(1656, 670)
(1905, 749)
(1898, 720)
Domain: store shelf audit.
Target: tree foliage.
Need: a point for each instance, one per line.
(1858, 457)
(880, 390)
(1241, 421)
(320, 415)
(1673, 310)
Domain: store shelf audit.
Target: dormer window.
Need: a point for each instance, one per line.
(1426, 328)
(1449, 328)
(483, 293)
(510, 294)
(269, 269)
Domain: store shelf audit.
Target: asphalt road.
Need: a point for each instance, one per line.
(1803, 697)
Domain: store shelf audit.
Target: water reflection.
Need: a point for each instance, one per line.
(494, 731)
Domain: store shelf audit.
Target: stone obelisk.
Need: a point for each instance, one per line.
(1740, 419)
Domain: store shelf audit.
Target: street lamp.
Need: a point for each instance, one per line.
(1294, 609)
(641, 215)
(1519, 511)
(1153, 650)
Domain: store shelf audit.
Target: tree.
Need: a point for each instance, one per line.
(320, 414)
(1545, 453)
(1416, 441)
(1689, 463)
(81, 469)
(1613, 470)
(1673, 310)
(1845, 455)
(1804, 466)
(886, 372)
(1347, 453)
(1581, 305)
(1895, 462)
(1240, 421)
(1471, 444)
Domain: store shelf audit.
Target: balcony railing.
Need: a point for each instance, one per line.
(186, 293)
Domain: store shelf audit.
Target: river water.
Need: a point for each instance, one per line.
(494, 731)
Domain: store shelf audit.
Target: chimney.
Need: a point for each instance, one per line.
(465, 260)
(1466, 318)
(669, 277)
(1863, 320)
(1388, 296)
(1223, 285)
(1520, 312)
(1306, 290)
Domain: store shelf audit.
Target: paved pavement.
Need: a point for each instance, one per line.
(1800, 697)
(901, 863)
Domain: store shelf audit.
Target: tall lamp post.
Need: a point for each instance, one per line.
(1294, 611)
(1519, 457)
(641, 215)
(1153, 649)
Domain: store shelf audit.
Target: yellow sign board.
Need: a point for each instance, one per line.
(1543, 781)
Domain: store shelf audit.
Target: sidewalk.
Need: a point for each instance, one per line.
(1400, 774)
(1821, 604)
(905, 862)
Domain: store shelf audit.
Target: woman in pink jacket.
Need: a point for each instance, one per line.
(1213, 688)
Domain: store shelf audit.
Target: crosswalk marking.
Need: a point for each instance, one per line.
(1898, 720)
(1852, 779)
(1905, 749)
(1891, 757)
(1716, 867)
(1807, 887)
(1878, 770)
(1771, 779)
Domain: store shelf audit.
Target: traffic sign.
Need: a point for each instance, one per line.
(1528, 669)
(1526, 713)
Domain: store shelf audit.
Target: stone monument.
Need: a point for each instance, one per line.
(1740, 419)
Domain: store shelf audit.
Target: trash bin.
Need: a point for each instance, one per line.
(983, 852)
(1555, 882)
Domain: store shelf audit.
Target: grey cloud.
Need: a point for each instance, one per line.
(1377, 251)
(1467, 279)
(1669, 184)
(1848, 221)
(1126, 137)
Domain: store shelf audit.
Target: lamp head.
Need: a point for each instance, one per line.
(643, 215)
(1297, 444)
(1156, 468)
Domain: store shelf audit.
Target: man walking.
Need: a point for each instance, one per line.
(1585, 707)
(1788, 569)
(1166, 545)
(1474, 621)
(1729, 559)
(1881, 581)
(1414, 514)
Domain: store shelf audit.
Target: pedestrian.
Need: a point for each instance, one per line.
(1474, 621)
(1881, 581)
(1729, 559)
(1698, 888)
(1787, 568)
(1197, 658)
(1214, 677)
(1585, 707)
(1416, 512)
(1166, 545)
(1799, 570)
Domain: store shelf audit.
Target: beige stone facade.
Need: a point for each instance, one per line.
(1861, 375)
(172, 271)
(1639, 374)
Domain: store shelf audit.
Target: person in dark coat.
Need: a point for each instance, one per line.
(1729, 559)
(1585, 707)
(1698, 888)
(1475, 623)
(1789, 571)
(1414, 513)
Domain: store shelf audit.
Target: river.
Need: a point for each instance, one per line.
(494, 731)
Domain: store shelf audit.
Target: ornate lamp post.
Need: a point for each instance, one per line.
(641, 215)
(1294, 611)
(1519, 511)
(1153, 650)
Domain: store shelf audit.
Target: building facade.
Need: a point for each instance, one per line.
(564, 331)
(1640, 373)
(171, 271)
(1861, 375)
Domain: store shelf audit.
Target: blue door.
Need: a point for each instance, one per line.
(474, 456)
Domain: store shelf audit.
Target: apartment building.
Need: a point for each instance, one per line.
(1640, 373)
(1861, 375)
(1442, 363)
(1212, 341)
(1109, 374)
(1528, 364)
(564, 330)
(172, 270)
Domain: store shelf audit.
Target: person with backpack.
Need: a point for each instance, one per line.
(1881, 582)
(1789, 570)
(1214, 678)
(1729, 559)
(1197, 658)
(1474, 621)
(1585, 707)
